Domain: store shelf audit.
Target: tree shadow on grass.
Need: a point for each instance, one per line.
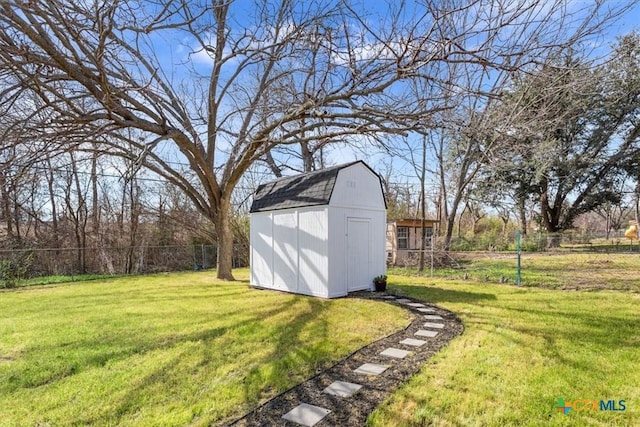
(288, 337)
(297, 343)
(295, 336)
(436, 295)
(597, 327)
(553, 333)
(294, 350)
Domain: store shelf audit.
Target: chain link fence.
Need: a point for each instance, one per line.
(33, 266)
(554, 261)
(615, 241)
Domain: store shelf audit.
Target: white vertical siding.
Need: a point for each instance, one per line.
(313, 248)
(261, 249)
(337, 253)
(289, 250)
(285, 250)
(357, 186)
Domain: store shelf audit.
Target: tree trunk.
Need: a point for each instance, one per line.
(16, 218)
(307, 157)
(268, 158)
(134, 222)
(222, 222)
(80, 225)
(443, 208)
(55, 234)
(6, 207)
(505, 223)
(451, 219)
(95, 215)
(522, 214)
(550, 218)
(423, 203)
(466, 205)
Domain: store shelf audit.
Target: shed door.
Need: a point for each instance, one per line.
(358, 253)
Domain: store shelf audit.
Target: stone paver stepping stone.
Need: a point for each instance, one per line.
(413, 342)
(342, 388)
(415, 304)
(394, 352)
(433, 317)
(403, 300)
(424, 333)
(371, 369)
(426, 310)
(433, 325)
(306, 415)
(389, 297)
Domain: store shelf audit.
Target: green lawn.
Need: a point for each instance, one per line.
(185, 349)
(522, 349)
(50, 280)
(554, 270)
(171, 349)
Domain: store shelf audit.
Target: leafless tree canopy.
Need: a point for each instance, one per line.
(198, 91)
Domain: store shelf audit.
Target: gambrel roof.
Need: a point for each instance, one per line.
(307, 189)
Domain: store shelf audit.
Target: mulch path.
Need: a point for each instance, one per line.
(354, 410)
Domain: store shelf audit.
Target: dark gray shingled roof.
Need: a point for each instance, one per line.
(307, 189)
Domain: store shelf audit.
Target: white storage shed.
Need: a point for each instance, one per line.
(320, 233)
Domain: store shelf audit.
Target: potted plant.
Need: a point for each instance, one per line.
(380, 282)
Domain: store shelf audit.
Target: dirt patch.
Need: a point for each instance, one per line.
(354, 410)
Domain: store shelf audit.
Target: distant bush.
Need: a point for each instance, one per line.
(533, 243)
(494, 240)
(461, 244)
(15, 269)
(484, 242)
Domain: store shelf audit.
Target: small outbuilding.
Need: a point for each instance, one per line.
(320, 233)
(403, 240)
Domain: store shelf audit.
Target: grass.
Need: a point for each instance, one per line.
(615, 244)
(50, 280)
(584, 271)
(522, 349)
(169, 349)
(185, 349)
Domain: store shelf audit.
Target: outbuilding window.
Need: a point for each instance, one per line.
(428, 237)
(403, 237)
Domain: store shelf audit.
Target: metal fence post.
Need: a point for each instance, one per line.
(518, 250)
(433, 244)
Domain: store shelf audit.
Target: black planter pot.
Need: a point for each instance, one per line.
(380, 286)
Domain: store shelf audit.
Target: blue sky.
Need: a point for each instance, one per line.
(629, 22)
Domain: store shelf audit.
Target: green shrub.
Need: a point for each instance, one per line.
(535, 243)
(15, 269)
(462, 244)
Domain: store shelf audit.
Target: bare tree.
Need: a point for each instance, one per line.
(77, 211)
(100, 68)
(5, 195)
(614, 214)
